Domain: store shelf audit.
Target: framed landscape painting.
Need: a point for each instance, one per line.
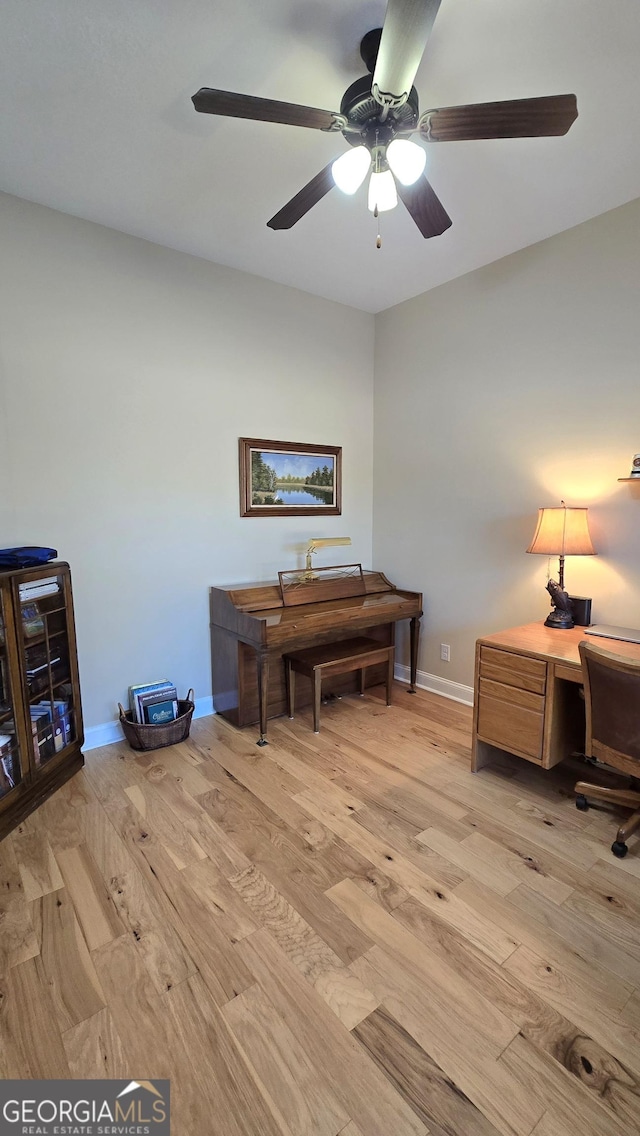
(282, 479)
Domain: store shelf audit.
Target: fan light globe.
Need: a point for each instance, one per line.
(350, 169)
(382, 192)
(407, 160)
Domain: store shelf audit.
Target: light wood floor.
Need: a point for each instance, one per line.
(344, 933)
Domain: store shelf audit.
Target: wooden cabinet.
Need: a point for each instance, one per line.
(40, 712)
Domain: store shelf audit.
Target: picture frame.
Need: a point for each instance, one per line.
(289, 479)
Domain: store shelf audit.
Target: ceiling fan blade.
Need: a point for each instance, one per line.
(309, 195)
(516, 118)
(425, 207)
(231, 105)
(407, 27)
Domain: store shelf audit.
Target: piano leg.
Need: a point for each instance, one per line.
(414, 631)
(262, 661)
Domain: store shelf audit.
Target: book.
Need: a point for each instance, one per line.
(32, 621)
(10, 768)
(157, 713)
(42, 730)
(37, 589)
(31, 585)
(145, 688)
(33, 671)
(167, 694)
(57, 712)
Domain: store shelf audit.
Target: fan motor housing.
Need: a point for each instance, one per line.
(361, 109)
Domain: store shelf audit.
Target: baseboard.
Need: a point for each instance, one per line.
(110, 732)
(456, 691)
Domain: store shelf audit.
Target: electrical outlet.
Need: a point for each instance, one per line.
(445, 652)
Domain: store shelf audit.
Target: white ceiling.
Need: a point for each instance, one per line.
(97, 121)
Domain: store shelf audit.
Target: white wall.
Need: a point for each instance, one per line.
(503, 391)
(127, 374)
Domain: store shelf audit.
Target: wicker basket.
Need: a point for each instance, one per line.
(145, 736)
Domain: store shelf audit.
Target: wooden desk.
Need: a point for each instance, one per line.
(527, 693)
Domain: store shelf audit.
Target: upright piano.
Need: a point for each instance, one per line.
(254, 625)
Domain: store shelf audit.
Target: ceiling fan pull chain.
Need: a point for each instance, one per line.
(378, 238)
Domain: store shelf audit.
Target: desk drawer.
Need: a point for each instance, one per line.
(569, 674)
(514, 728)
(513, 695)
(513, 670)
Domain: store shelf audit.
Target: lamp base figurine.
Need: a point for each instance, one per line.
(561, 614)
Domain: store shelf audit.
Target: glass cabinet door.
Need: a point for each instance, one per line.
(10, 763)
(46, 654)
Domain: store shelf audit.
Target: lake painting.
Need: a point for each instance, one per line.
(283, 479)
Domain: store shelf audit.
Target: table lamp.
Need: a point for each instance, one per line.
(561, 532)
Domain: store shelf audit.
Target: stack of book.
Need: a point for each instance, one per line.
(51, 726)
(154, 704)
(38, 660)
(35, 589)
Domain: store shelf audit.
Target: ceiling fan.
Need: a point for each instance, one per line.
(380, 111)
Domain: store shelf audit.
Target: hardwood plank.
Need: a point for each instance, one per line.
(452, 998)
(189, 916)
(341, 990)
(231, 914)
(258, 831)
(470, 1064)
(583, 976)
(404, 837)
(561, 1095)
(109, 772)
(220, 1083)
(552, 1033)
(74, 985)
(439, 1102)
(300, 871)
(93, 905)
(595, 940)
(18, 941)
(163, 954)
(177, 843)
(631, 1012)
(105, 844)
(31, 1043)
(535, 871)
(36, 862)
(208, 836)
(306, 1101)
(492, 874)
(137, 1012)
(550, 983)
(361, 1089)
(94, 1049)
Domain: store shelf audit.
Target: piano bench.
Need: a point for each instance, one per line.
(336, 659)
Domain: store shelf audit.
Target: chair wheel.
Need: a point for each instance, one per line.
(582, 803)
(620, 850)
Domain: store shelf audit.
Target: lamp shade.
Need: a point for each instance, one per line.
(562, 532)
(382, 192)
(407, 160)
(350, 169)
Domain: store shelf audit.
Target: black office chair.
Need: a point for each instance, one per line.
(612, 702)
